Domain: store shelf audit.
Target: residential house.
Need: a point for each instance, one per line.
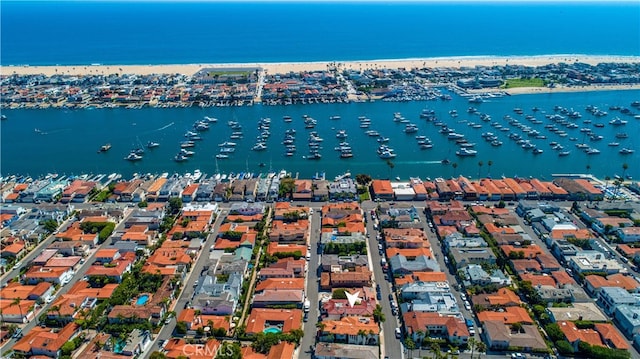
(501, 336)
(611, 297)
(285, 320)
(45, 341)
(350, 330)
(418, 324)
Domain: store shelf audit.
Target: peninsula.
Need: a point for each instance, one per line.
(99, 85)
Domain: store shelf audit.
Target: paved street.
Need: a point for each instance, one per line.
(438, 252)
(308, 340)
(187, 290)
(392, 346)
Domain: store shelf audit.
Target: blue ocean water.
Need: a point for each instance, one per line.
(114, 32)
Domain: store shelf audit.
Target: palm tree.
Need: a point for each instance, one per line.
(481, 347)
(588, 169)
(56, 308)
(362, 334)
(455, 166)
(391, 165)
(489, 164)
(16, 301)
(479, 168)
(625, 167)
(472, 344)
(435, 349)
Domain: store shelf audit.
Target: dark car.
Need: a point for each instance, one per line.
(378, 288)
(390, 296)
(379, 296)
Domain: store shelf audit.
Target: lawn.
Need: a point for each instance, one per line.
(532, 82)
(229, 73)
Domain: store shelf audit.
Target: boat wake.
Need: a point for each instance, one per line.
(165, 127)
(418, 162)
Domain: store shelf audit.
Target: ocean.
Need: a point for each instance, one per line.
(145, 32)
(37, 142)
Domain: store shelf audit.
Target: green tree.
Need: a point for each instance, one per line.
(480, 163)
(625, 167)
(287, 186)
(68, 347)
(363, 179)
(378, 315)
(391, 165)
(230, 350)
(554, 332)
(262, 342)
(564, 347)
(49, 225)
(175, 205)
(181, 328)
(454, 166)
(489, 164)
(481, 347)
(16, 301)
(472, 345)
(339, 294)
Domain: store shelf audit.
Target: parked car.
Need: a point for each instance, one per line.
(467, 306)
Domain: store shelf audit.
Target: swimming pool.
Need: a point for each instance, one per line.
(272, 330)
(142, 300)
(118, 346)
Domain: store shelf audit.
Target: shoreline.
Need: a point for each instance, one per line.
(433, 65)
(285, 67)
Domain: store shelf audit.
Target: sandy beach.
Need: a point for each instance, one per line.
(279, 68)
(275, 68)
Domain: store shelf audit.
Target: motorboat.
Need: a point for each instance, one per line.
(132, 156)
(466, 152)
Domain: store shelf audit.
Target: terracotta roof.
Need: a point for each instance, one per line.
(531, 251)
(275, 247)
(503, 297)
(45, 339)
(350, 326)
(611, 336)
(409, 252)
(562, 277)
(510, 315)
(538, 279)
(259, 317)
(382, 187)
(280, 284)
(415, 321)
(180, 348)
(614, 280)
(16, 290)
(282, 350)
(573, 334)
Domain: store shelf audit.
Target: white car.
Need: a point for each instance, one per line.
(467, 306)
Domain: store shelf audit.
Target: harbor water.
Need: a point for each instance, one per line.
(36, 142)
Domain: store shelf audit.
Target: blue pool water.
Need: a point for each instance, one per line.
(118, 346)
(272, 330)
(142, 300)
